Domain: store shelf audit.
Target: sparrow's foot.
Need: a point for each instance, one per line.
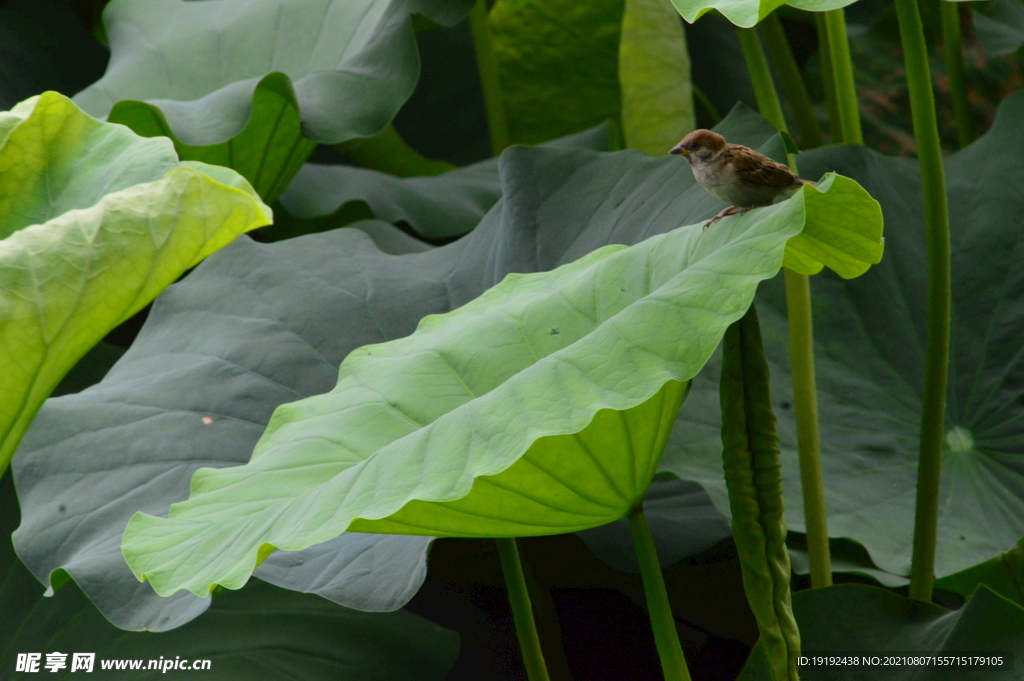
(731, 210)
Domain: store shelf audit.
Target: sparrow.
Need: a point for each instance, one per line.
(736, 174)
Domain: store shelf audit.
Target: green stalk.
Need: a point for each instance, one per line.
(828, 77)
(761, 77)
(666, 637)
(805, 401)
(549, 631)
(936, 361)
(842, 72)
(792, 82)
(490, 80)
(955, 70)
(801, 347)
(522, 610)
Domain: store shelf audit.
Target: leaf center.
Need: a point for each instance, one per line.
(959, 441)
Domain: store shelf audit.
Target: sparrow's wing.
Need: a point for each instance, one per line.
(757, 169)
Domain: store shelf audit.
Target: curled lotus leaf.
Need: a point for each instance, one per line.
(540, 407)
(95, 221)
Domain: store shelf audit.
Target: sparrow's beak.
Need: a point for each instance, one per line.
(678, 150)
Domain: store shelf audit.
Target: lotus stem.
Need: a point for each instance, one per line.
(936, 362)
(522, 611)
(828, 78)
(801, 347)
(792, 82)
(805, 402)
(955, 71)
(490, 78)
(666, 638)
(761, 77)
(842, 72)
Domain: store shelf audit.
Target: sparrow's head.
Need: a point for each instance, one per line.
(699, 144)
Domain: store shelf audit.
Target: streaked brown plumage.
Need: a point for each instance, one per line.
(736, 174)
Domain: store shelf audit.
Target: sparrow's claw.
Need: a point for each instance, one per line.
(731, 210)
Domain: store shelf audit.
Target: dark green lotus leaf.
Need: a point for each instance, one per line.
(435, 207)
(559, 65)
(847, 556)
(265, 633)
(854, 620)
(1004, 574)
(323, 196)
(246, 332)
(1000, 26)
(869, 337)
(253, 84)
(250, 331)
(370, 572)
(95, 221)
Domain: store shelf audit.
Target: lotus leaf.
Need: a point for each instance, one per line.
(853, 621)
(869, 338)
(518, 413)
(654, 72)
(305, 636)
(94, 223)
(535, 52)
(242, 334)
(1000, 27)
(324, 196)
(747, 13)
(133, 442)
(253, 84)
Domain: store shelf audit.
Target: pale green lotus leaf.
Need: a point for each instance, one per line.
(540, 407)
(94, 223)
(654, 72)
(259, 325)
(748, 13)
